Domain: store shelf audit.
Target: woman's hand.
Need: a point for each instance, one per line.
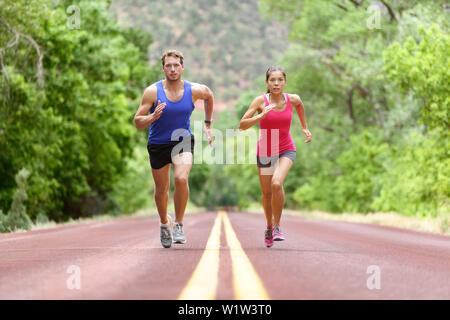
(266, 110)
(308, 135)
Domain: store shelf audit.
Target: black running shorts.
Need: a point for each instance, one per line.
(267, 162)
(161, 154)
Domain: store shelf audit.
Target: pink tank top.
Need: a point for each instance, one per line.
(275, 137)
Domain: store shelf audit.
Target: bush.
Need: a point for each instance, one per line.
(2, 222)
(17, 217)
(350, 183)
(360, 166)
(417, 181)
(42, 218)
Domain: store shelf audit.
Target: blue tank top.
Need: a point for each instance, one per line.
(175, 119)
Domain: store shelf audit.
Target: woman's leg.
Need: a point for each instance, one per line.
(266, 180)
(281, 171)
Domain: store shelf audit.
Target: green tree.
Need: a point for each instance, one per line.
(67, 104)
(371, 141)
(418, 179)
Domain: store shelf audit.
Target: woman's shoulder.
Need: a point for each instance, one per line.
(259, 98)
(294, 98)
(257, 103)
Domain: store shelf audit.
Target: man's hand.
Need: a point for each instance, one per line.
(158, 111)
(208, 133)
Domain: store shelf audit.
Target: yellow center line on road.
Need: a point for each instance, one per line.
(203, 283)
(247, 284)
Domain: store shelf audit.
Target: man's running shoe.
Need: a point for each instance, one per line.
(166, 234)
(178, 233)
(277, 234)
(268, 237)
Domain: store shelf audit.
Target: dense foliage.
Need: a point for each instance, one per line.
(374, 79)
(373, 75)
(69, 92)
(377, 102)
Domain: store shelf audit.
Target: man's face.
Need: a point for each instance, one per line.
(173, 68)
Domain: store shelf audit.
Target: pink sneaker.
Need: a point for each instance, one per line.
(277, 234)
(268, 237)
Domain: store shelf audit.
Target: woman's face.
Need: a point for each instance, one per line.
(276, 82)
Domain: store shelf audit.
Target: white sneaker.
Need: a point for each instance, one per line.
(178, 233)
(166, 233)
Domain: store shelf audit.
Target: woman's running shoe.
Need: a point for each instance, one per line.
(277, 234)
(268, 237)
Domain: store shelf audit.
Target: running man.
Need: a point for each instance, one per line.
(170, 141)
(275, 150)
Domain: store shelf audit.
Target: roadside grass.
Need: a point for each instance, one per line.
(148, 212)
(438, 225)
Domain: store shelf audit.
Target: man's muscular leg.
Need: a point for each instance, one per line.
(182, 164)
(162, 183)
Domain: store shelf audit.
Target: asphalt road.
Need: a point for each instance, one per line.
(224, 258)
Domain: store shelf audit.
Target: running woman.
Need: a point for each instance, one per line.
(170, 141)
(275, 150)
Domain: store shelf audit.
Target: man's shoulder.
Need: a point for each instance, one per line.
(199, 89)
(151, 92)
(195, 85)
(151, 88)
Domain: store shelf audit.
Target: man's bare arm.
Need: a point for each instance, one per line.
(142, 119)
(202, 92)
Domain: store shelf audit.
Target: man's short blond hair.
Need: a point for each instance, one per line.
(172, 53)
